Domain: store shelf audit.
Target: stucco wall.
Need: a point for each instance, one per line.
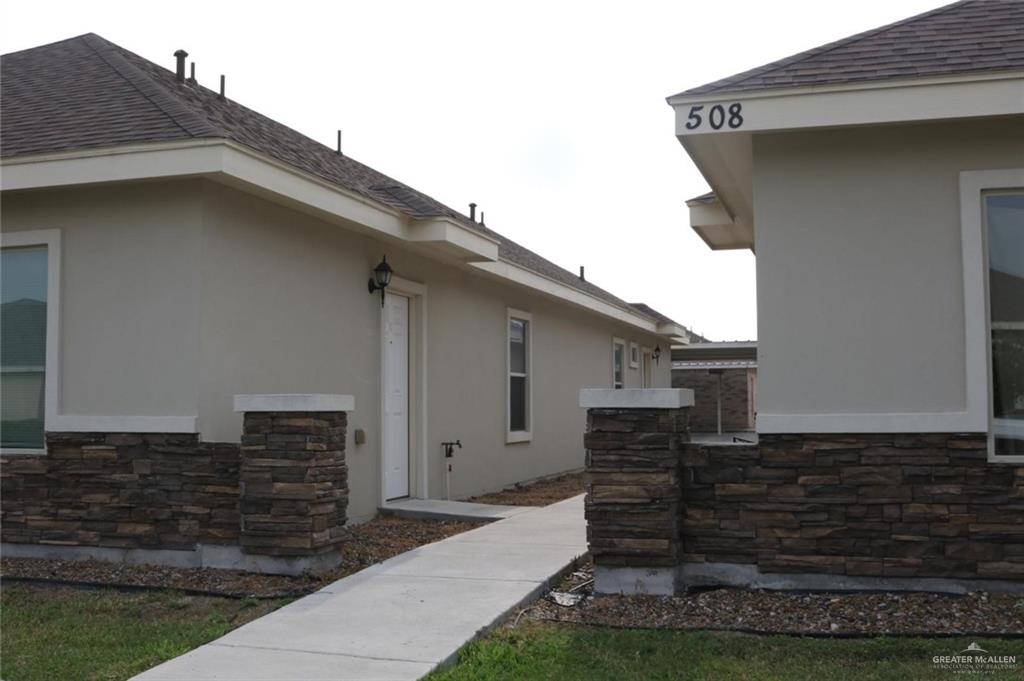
(859, 276)
(129, 294)
(285, 309)
(176, 296)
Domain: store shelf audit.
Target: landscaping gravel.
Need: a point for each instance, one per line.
(777, 612)
(540, 493)
(368, 543)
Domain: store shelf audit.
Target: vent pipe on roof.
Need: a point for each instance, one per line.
(482, 219)
(222, 86)
(192, 73)
(179, 70)
(472, 212)
(582, 276)
(339, 141)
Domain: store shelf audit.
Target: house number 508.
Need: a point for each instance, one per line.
(716, 116)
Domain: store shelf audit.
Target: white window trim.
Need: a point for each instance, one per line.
(619, 342)
(514, 436)
(634, 355)
(51, 239)
(973, 185)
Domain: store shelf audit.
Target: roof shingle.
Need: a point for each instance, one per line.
(86, 92)
(971, 36)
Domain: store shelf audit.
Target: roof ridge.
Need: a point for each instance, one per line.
(175, 108)
(732, 82)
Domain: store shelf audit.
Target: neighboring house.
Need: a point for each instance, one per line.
(168, 252)
(723, 378)
(880, 182)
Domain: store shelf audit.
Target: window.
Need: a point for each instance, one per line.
(24, 284)
(618, 363)
(1004, 226)
(519, 351)
(634, 355)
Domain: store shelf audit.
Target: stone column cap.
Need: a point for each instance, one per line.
(295, 402)
(633, 398)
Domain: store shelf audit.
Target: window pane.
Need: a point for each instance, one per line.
(22, 346)
(517, 403)
(1005, 217)
(618, 359)
(517, 346)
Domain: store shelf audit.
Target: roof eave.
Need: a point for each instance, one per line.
(724, 153)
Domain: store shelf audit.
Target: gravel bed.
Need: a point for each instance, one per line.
(778, 612)
(540, 493)
(369, 543)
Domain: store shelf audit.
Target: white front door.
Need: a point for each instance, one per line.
(395, 436)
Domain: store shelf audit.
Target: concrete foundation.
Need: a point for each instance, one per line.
(635, 581)
(691, 575)
(215, 556)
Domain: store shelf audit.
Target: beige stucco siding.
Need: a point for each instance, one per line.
(176, 296)
(859, 272)
(285, 309)
(129, 294)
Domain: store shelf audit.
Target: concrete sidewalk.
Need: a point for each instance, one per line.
(439, 509)
(402, 618)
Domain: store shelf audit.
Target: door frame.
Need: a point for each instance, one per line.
(646, 369)
(417, 295)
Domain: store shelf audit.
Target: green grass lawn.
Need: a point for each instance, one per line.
(50, 633)
(567, 653)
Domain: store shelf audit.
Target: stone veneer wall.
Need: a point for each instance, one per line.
(928, 505)
(276, 503)
(633, 503)
(663, 512)
(122, 490)
(704, 384)
(294, 482)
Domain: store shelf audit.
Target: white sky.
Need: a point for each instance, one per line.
(550, 115)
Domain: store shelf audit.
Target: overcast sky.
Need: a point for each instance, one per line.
(550, 115)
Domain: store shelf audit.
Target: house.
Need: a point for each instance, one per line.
(723, 378)
(186, 307)
(879, 180)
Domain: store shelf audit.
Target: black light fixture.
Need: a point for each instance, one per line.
(381, 278)
(657, 353)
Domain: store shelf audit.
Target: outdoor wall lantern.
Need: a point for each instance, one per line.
(381, 278)
(656, 354)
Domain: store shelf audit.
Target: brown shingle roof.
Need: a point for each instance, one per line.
(86, 92)
(972, 36)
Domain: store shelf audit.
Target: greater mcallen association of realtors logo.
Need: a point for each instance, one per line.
(975, 660)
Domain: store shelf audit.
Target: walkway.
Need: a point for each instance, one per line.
(402, 618)
(438, 509)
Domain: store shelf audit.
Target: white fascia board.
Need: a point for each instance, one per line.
(119, 164)
(524, 277)
(673, 330)
(719, 230)
(723, 344)
(238, 166)
(474, 247)
(897, 101)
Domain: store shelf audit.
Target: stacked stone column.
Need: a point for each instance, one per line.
(634, 492)
(294, 480)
